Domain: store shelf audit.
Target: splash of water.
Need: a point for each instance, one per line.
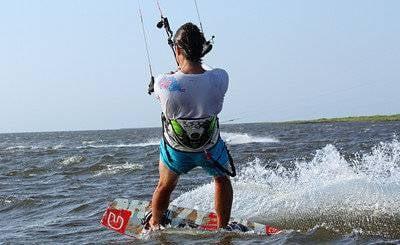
(344, 194)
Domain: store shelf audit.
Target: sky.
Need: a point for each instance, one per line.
(81, 65)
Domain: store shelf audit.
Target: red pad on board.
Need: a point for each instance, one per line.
(116, 219)
(269, 230)
(212, 223)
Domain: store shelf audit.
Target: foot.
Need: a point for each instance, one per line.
(148, 223)
(236, 227)
(157, 227)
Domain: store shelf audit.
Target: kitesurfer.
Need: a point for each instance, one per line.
(191, 99)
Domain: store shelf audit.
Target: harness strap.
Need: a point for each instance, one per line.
(218, 165)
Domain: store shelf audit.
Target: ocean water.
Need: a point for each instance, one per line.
(320, 183)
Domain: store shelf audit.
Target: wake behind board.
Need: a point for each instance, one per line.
(126, 217)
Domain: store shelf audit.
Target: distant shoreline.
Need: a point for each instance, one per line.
(375, 118)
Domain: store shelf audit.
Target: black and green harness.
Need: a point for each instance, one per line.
(194, 135)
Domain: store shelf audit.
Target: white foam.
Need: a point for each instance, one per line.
(73, 160)
(88, 142)
(150, 142)
(33, 147)
(328, 185)
(59, 146)
(6, 200)
(244, 138)
(230, 138)
(114, 168)
(18, 147)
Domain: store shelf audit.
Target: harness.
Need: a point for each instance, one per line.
(194, 135)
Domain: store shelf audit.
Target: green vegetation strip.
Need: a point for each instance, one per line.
(376, 118)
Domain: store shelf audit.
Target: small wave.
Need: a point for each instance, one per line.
(142, 144)
(56, 147)
(9, 203)
(28, 172)
(79, 208)
(33, 147)
(111, 169)
(345, 194)
(19, 147)
(73, 160)
(88, 142)
(244, 138)
(4, 200)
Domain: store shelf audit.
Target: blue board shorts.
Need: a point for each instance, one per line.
(182, 162)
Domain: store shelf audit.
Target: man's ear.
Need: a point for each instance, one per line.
(178, 50)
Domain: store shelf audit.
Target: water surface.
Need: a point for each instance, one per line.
(336, 182)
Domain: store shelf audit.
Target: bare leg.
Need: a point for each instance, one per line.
(160, 201)
(223, 199)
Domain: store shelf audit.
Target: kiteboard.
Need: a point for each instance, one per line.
(128, 217)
